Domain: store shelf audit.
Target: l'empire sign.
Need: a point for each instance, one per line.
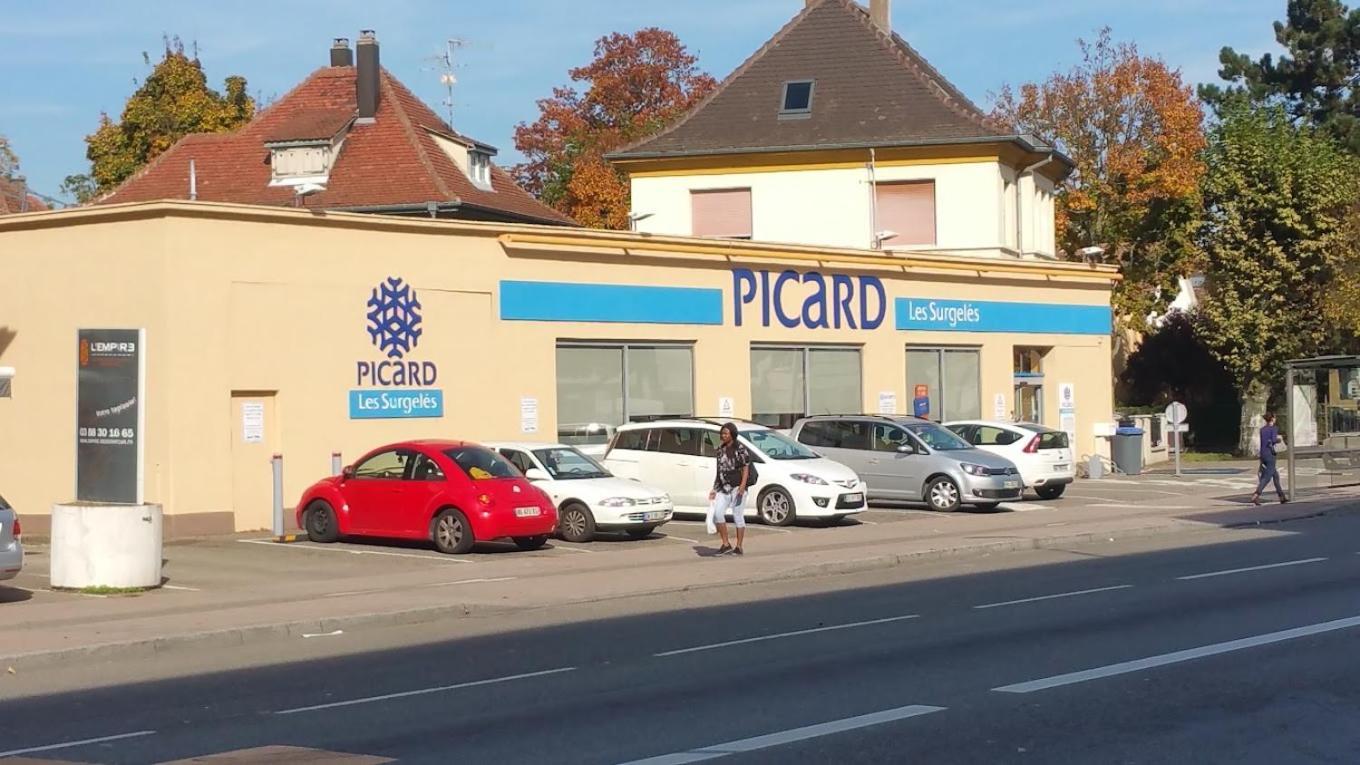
(109, 395)
(395, 386)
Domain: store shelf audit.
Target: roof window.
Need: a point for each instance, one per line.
(797, 98)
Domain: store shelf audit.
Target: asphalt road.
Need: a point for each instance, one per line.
(1239, 651)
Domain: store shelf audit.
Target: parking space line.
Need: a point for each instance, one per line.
(424, 691)
(179, 587)
(472, 581)
(1226, 572)
(1126, 506)
(804, 733)
(1071, 678)
(795, 633)
(681, 539)
(569, 549)
(82, 742)
(272, 543)
(1053, 597)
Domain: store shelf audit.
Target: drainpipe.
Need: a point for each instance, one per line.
(1019, 197)
(193, 181)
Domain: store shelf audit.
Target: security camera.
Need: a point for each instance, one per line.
(883, 236)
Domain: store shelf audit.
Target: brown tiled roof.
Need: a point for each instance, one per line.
(871, 89)
(390, 162)
(12, 192)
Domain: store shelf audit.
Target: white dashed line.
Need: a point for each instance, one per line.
(82, 742)
(423, 691)
(346, 550)
(780, 635)
(1053, 597)
(1226, 572)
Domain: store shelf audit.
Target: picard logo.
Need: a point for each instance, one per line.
(394, 318)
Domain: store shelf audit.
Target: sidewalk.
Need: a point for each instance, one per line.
(233, 591)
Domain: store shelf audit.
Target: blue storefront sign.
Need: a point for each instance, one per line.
(989, 316)
(609, 303)
(395, 404)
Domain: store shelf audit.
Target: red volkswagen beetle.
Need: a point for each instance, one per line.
(453, 493)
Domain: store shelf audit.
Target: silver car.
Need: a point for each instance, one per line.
(11, 551)
(913, 460)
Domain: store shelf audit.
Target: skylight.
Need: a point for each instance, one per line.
(797, 97)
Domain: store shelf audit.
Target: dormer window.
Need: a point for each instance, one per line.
(304, 147)
(797, 100)
(299, 163)
(479, 168)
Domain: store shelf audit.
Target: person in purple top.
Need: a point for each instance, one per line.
(1270, 436)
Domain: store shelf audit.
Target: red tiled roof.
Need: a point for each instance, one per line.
(389, 162)
(12, 193)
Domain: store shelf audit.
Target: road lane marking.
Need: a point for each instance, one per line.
(1251, 568)
(423, 691)
(472, 581)
(767, 741)
(1176, 657)
(779, 635)
(437, 558)
(1127, 506)
(1053, 597)
(82, 742)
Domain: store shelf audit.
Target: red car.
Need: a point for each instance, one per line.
(453, 493)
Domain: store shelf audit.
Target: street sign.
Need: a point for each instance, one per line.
(1176, 413)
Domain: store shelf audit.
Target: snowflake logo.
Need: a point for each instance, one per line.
(394, 318)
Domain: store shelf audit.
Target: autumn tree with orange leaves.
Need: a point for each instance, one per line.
(1135, 131)
(635, 86)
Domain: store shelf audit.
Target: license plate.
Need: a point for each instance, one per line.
(1012, 484)
(527, 512)
(853, 499)
(1059, 468)
(656, 516)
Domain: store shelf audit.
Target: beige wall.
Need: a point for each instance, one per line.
(271, 304)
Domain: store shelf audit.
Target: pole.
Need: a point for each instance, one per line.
(335, 463)
(1290, 444)
(277, 464)
(1177, 432)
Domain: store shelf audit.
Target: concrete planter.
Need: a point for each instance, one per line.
(106, 546)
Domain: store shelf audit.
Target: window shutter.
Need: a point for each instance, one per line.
(907, 209)
(722, 213)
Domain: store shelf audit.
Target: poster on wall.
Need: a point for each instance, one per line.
(108, 415)
(528, 415)
(887, 402)
(726, 407)
(1067, 410)
(252, 422)
(920, 401)
(999, 408)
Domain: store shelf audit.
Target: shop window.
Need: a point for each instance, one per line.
(724, 213)
(610, 384)
(904, 213)
(951, 380)
(1029, 383)
(792, 382)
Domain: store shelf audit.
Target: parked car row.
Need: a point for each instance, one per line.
(828, 467)
(11, 548)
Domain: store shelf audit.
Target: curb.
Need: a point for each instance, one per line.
(239, 636)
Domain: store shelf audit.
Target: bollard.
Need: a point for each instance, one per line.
(277, 463)
(335, 463)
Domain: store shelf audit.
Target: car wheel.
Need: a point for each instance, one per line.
(775, 507)
(576, 524)
(1051, 492)
(321, 524)
(641, 533)
(531, 543)
(943, 494)
(452, 533)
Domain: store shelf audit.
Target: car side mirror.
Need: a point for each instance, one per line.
(536, 474)
(347, 473)
(906, 449)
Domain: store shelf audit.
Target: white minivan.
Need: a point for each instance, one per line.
(678, 457)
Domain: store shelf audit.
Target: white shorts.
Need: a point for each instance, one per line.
(723, 502)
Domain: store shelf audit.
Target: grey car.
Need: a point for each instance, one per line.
(913, 460)
(11, 551)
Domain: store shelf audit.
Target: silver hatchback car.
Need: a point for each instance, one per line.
(913, 460)
(11, 551)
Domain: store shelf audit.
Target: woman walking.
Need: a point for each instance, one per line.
(1270, 436)
(729, 489)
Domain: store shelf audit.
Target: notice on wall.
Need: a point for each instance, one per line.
(1067, 396)
(1067, 411)
(528, 415)
(887, 402)
(999, 408)
(108, 415)
(1067, 422)
(726, 407)
(252, 422)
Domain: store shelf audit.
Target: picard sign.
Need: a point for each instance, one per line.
(108, 415)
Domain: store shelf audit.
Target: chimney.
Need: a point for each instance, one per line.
(341, 55)
(366, 51)
(880, 12)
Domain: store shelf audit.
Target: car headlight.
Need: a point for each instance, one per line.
(617, 502)
(973, 469)
(808, 478)
(666, 498)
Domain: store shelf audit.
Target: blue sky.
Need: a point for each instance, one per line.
(67, 62)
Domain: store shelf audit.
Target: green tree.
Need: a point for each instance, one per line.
(174, 101)
(1317, 79)
(9, 161)
(1277, 197)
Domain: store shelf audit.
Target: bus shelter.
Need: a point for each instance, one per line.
(1324, 420)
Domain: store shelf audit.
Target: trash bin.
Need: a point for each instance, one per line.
(1126, 448)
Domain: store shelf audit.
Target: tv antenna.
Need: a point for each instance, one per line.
(447, 65)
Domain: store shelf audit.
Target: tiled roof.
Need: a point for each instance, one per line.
(12, 192)
(871, 89)
(392, 161)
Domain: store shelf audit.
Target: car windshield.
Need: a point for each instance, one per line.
(479, 463)
(569, 464)
(938, 438)
(778, 446)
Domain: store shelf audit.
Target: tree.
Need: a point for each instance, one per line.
(174, 101)
(9, 161)
(1134, 130)
(634, 87)
(1277, 196)
(81, 188)
(1315, 80)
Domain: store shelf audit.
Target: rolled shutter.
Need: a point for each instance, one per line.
(721, 213)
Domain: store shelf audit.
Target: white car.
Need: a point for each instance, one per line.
(587, 496)
(11, 550)
(792, 482)
(1042, 454)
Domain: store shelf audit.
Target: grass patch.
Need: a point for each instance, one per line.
(1208, 457)
(104, 590)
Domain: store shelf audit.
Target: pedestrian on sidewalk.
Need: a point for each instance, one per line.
(1267, 472)
(734, 474)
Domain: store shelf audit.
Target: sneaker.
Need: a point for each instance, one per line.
(737, 551)
(724, 550)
